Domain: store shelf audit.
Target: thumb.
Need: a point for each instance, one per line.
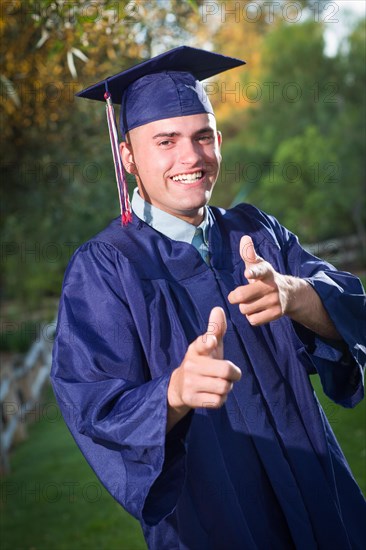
(249, 257)
(247, 251)
(217, 327)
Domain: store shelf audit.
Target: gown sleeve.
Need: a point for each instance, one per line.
(115, 411)
(340, 365)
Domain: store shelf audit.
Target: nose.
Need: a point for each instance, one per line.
(189, 152)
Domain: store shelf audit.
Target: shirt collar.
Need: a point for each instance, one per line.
(168, 225)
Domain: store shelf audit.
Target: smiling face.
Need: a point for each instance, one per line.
(176, 162)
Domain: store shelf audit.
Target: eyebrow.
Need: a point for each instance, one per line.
(166, 134)
(175, 134)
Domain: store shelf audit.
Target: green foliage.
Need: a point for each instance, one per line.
(301, 186)
(297, 151)
(20, 339)
(56, 166)
(57, 174)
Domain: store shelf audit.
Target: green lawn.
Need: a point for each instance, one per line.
(349, 426)
(52, 500)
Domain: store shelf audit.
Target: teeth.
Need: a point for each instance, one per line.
(188, 177)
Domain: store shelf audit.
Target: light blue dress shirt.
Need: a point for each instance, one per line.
(173, 227)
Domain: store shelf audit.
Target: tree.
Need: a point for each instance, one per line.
(308, 116)
(301, 188)
(59, 188)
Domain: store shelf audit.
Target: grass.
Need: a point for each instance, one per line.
(349, 426)
(53, 501)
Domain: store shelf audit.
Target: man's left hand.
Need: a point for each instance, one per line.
(267, 296)
(270, 295)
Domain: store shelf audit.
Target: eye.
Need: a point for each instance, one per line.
(206, 139)
(165, 143)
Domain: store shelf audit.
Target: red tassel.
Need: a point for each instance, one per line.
(124, 200)
(126, 217)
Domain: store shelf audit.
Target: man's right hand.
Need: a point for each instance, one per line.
(204, 377)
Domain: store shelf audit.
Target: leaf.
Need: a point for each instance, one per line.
(194, 4)
(79, 54)
(10, 90)
(42, 40)
(71, 64)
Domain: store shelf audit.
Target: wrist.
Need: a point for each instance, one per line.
(176, 407)
(298, 296)
(175, 402)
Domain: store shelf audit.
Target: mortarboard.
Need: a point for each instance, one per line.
(165, 86)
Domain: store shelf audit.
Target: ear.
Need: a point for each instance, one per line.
(127, 157)
(219, 138)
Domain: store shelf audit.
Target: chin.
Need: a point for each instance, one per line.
(191, 204)
(193, 207)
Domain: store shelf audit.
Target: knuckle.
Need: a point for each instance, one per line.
(191, 382)
(228, 386)
(211, 403)
(222, 401)
(253, 320)
(187, 396)
(278, 313)
(191, 352)
(189, 365)
(228, 370)
(201, 341)
(238, 293)
(223, 387)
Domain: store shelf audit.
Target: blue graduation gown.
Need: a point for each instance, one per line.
(265, 470)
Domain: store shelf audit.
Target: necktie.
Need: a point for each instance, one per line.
(200, 245)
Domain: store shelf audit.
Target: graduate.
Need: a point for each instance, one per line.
(186, 336)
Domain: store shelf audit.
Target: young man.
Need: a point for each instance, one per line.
(186, 339)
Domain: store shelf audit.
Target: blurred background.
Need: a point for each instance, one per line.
(293, 144)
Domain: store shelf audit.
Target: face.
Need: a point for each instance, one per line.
(176, 162)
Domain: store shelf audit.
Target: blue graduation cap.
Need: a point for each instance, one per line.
(165, 86)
